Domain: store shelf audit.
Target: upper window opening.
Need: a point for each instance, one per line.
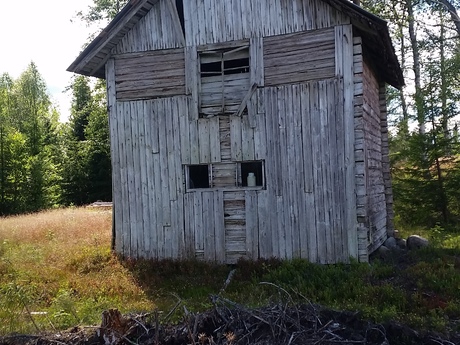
(211, 69)
(236, 66)
(225, 78)
(220, 68)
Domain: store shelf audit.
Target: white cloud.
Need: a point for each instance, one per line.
(47, 33)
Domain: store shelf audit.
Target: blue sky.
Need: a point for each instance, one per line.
(47, 33)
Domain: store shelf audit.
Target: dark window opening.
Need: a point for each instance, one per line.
(198, 176)
(211, 69)
(225, 79)
(236, 66)
(252, 172)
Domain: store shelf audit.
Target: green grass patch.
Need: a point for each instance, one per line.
(57, 271)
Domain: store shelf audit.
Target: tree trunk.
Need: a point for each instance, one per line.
(453, 14)
(416, 67)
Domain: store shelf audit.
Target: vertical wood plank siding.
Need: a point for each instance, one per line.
(117, 235)
(208, 22)
(156, 30)
(151, 199)
(298, 223)
(150, 74)
(305, 121)
(344, 69)
(286, 220)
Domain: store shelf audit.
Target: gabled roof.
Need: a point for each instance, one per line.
(91, 61)
(374, 30)
(376, 38)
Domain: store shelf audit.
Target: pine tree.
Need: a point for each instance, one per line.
(87, 173)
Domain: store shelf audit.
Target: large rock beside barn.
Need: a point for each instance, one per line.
(416, 242)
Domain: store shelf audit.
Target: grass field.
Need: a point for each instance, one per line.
(57, 271)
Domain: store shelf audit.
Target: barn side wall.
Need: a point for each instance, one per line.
(374, 197)
(373, 140)
(360, 151)
(296, 125)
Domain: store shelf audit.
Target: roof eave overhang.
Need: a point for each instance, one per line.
(92, 60)
(376, 37)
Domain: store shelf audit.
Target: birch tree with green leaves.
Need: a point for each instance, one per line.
(425, 114)
(28, 130)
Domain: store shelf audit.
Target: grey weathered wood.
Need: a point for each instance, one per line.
(209, 226)
(235, 138)
(171, 141)
(314, 116)
(260, 141)
(284, 225)
(247, 140)
(184, 125)
(138, 233)
(252, 110)
(199, 228)
(252, 225)
(194, 142)
(299, 57)
(214, 139)
(235, 224)
(150, 74)
(204, 141)
(115, 153)
(386, 161)
(295, 167)
(256, 53)
(154, 31)
(121, 116)
(192, 80)
(144, 192)
(164, 174)
(131, 183)
(219, 227)
(150, 221)
(189, 225)
(297, 189)
(176, 21)
(246, 99)
(344, 39)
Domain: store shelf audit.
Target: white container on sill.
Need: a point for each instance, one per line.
(251, 180)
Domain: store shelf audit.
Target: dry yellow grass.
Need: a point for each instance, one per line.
(61, 263)
(76, 224)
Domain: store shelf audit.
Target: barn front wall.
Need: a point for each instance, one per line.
(181, 154)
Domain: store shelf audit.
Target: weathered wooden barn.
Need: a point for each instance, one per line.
(247, 129)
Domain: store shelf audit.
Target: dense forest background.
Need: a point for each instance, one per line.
(44, 163)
